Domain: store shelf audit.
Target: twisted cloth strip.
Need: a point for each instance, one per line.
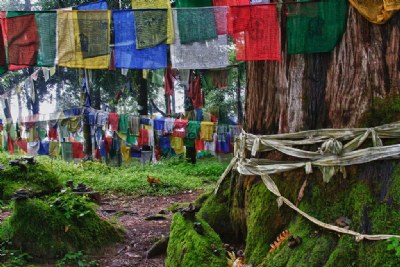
(331, 157)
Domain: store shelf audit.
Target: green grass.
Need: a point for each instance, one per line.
(176, 175)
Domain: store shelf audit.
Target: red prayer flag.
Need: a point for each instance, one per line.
(3, 62)
(22, 144)
(256, 32)
(231, 2)
(77, 150)
(23, 41)
(10, 145)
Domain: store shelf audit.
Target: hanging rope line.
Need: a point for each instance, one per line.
(331, 157)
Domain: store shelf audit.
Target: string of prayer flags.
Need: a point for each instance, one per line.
(99, 5)
(256, 32)
(315, 27)
(83, 39)
(192, 3)
(46, 25)
(126, 54)
(196, 24)
(211, 53)
(22, 41)
(157, 4)
(150, 27)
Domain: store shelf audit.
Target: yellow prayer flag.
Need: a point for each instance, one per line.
(145, 4)
(83, 39)
(376, 11)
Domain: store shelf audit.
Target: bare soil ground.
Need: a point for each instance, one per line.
(140, 233)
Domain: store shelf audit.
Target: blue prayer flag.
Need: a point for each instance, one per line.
(99, 5)
(126, 54)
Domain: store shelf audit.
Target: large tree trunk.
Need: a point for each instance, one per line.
(314, 91)
(326, 90)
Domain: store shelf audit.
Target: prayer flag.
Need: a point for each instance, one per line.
(99, 5)
(126, 54)
(83, 39)
(211, 53)
(3, 60)
(22, 41)
(46, 24)
(157, 4)
(315, 27)
(376, 11)
(256, 32)
(231, 2)
(150, 27)
(193, 3)
(196, 24)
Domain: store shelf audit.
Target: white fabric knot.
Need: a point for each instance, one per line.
(376, 141)
(308, 167)
(332, 146)
(280, 201)
(256, 146)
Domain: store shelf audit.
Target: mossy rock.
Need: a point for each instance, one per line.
(43, 231)
(188, 248)
(36, 178)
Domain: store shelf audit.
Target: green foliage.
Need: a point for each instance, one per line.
(76, 259)
(188, 248)
(11, 257)
(131, 178)
(72, 206)
(394, 244)
(383, 111)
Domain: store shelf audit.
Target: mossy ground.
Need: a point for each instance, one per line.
(369, 197)
(42, 230)
(188, 248)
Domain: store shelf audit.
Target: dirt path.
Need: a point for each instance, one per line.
(141, 233)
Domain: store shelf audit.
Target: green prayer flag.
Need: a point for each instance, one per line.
(157, 77)
(66, 151)
(46, 24)
(315, 27)
(196, 24)
(193, 3)
(150, 27)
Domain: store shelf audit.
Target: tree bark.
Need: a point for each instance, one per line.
(143, 96)
(329, 89)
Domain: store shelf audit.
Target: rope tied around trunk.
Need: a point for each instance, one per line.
(332, 157)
